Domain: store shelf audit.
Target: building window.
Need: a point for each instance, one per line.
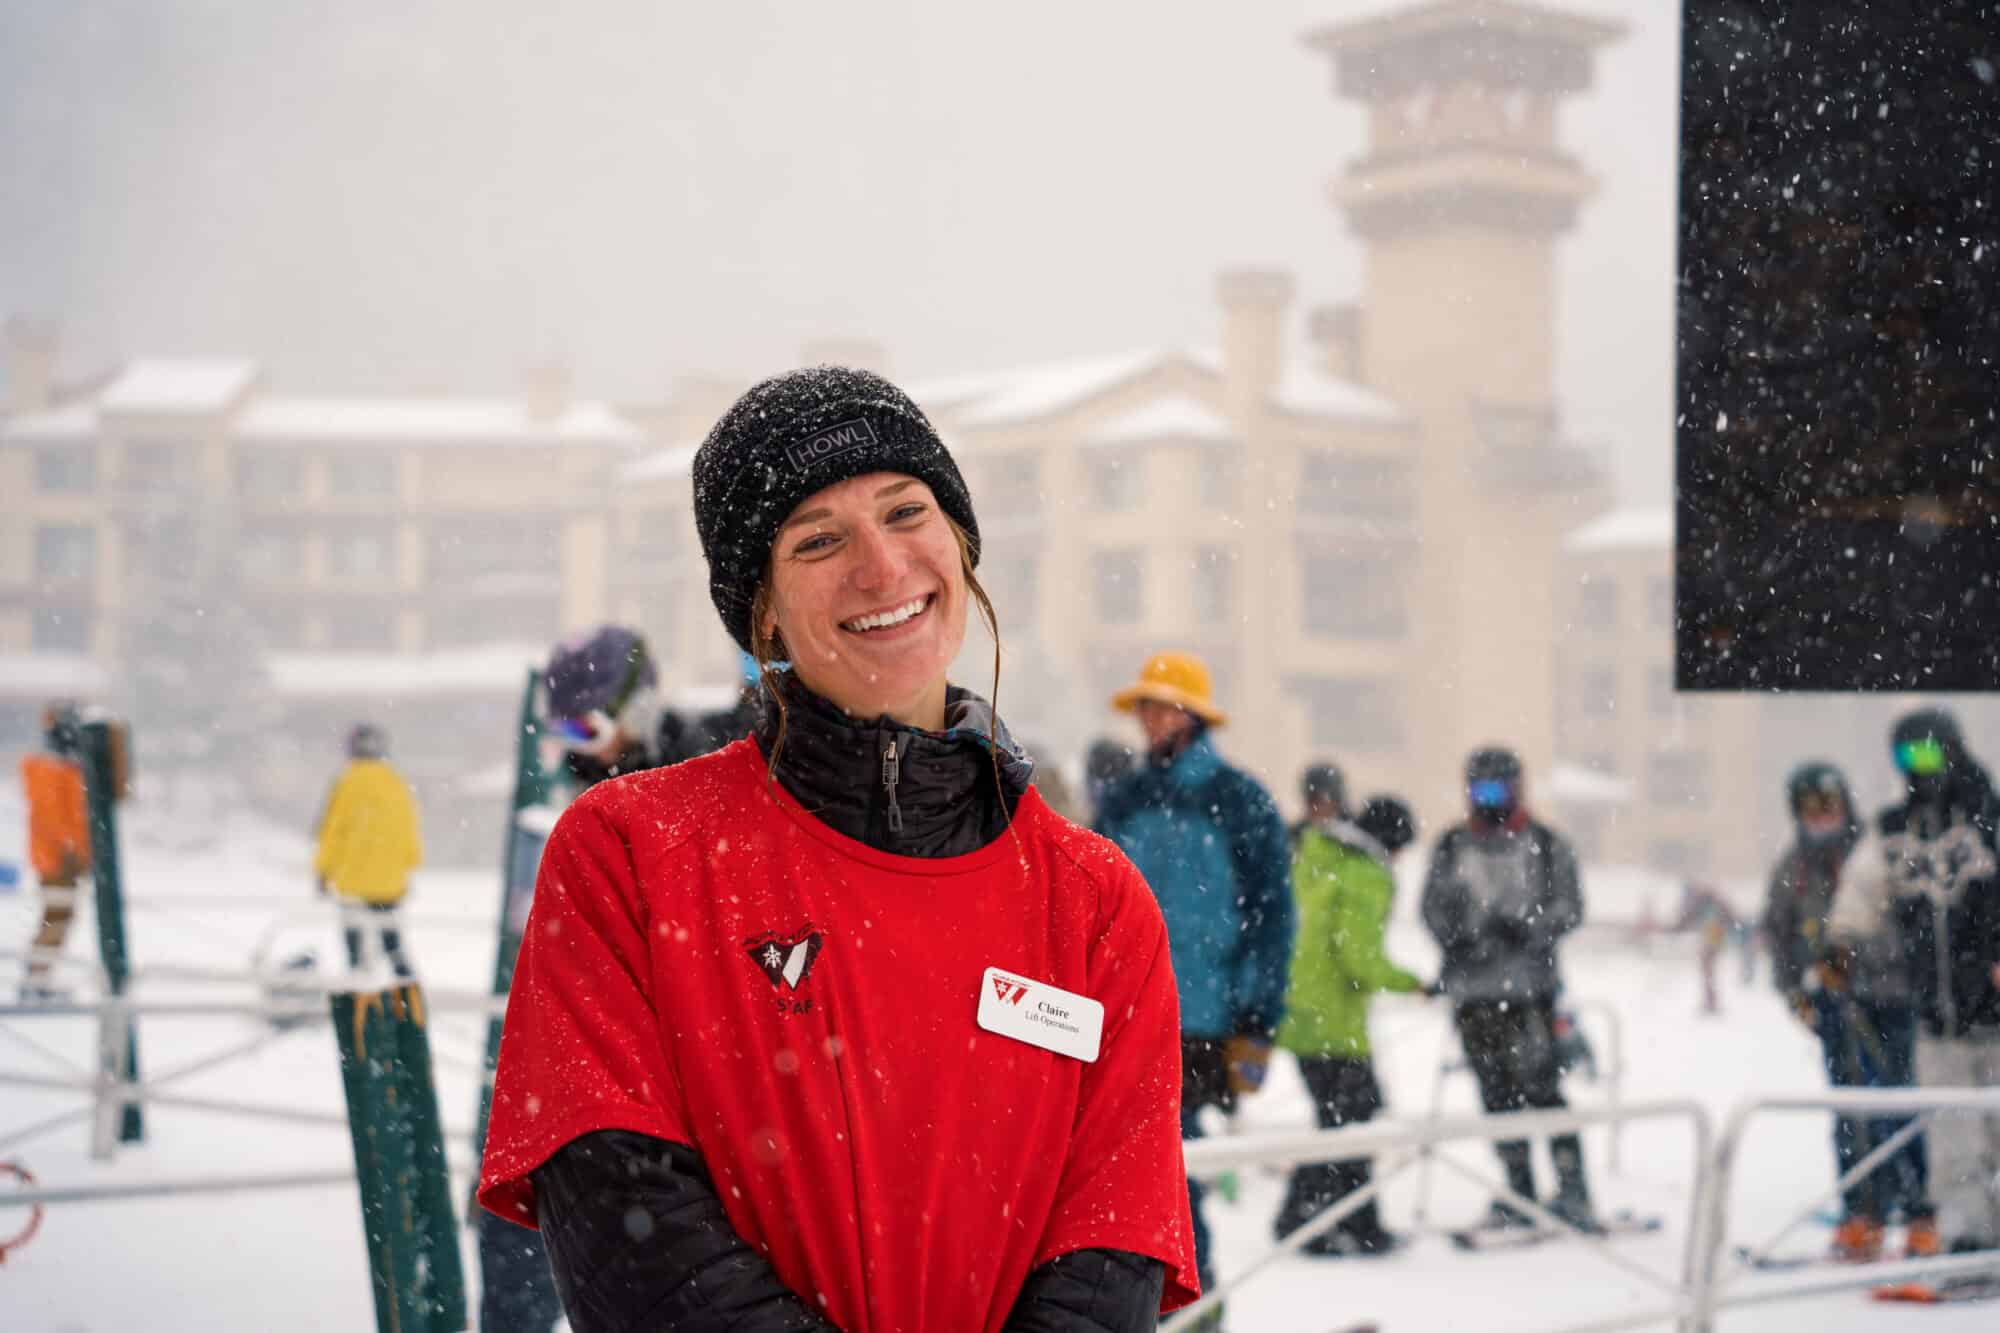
(1351, 712)
(157, 467)
(1597, 692)
(1597, 605)
(66, 470)
(1218, 471)
(1117, 482)
(1661, 701)
(274, 554)
(1343, 484)
(61, 629)
(1010, 486)
(1660, 603)
(1013, 584)
(1677, 777)
(1352, 596)
(1214, 584)
(366, 628)
(361, 553)
(1117, 587)
(369, 474)
(270, 476)
(65, 551)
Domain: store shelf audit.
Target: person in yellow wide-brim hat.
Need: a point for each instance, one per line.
(1208, 839)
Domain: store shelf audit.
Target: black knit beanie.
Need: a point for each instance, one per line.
(789, 437)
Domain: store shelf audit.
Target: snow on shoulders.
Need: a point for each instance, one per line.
(178, 386)
(1625, 530)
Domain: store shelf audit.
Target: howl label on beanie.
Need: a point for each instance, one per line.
(832, 442)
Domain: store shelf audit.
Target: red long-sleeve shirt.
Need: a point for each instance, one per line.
(707, 963)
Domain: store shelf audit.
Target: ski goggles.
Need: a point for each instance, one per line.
(1923, 758)
(1490, 793)
(583, 730)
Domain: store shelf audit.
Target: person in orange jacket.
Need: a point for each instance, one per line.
(58, 838)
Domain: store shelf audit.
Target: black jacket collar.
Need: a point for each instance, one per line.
(952, 793)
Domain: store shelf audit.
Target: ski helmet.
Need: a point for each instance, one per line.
(1326, 782)
(1493, 781)
(365, 740)
(1389, 822)
(597, 671)
(62, 729)
(1818, 781)
(1928, 747)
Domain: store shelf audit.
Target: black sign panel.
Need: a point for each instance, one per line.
(1838, 463)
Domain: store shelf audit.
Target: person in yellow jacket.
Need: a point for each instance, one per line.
(368, 845)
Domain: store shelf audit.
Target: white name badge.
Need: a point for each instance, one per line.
(1041, 1015)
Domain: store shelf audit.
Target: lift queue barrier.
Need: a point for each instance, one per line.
(1705, 1284)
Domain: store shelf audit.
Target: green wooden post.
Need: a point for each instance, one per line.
(405, 1186)
(520, 855)
(100, 790)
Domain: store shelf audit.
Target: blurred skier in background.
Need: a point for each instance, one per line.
(1855, 997)
(58, 839)
(1104, 764)
(1931, 875)
(368, 845)
(1323, 788)
(1345, 883)
(1503, 888)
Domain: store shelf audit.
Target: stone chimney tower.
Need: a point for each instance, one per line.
(1253, 301)
(33, 346)
(1460, 198)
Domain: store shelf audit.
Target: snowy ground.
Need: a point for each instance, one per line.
(294, 1260)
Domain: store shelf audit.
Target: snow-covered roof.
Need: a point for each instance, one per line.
(1039, 391)
(1573, 784)
(69, 422)
(497, 667)
(1305, 389)
(48, 674)
(174, 386)
(1625, 530)
(430, 420)
(1174, 417)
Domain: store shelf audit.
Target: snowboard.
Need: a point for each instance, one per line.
(1480, 1239)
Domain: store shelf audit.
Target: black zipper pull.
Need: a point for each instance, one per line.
(892, 769)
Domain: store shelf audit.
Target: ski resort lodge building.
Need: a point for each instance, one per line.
(1378, 535)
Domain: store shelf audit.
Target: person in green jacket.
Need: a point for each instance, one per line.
(1342, 881)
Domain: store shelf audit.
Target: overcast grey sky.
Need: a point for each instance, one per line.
(369, 198)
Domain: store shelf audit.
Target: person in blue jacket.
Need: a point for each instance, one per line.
(1210, 843)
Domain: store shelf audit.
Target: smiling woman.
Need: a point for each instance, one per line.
(762, 1067)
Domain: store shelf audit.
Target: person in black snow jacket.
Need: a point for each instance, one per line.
(1503, 888)
(1932, 876)
(1856, 999)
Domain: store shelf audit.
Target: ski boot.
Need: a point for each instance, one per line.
(1921, 1239)
(1572, 1201)
(1857, 1240)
